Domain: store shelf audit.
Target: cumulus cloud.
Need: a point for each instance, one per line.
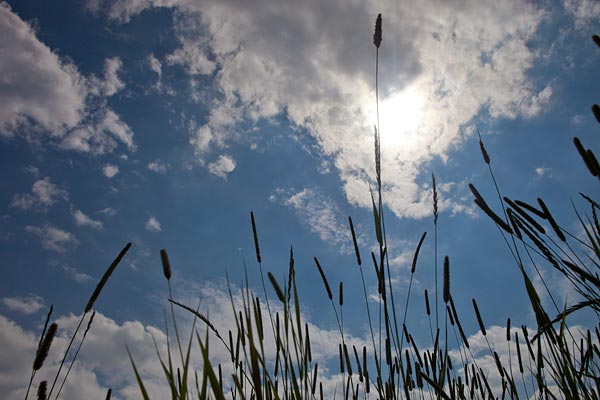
(222, 167)
(153, 225)
(53, 238)
(83, 220)
(37, 85)
(192, 55)
(45, 97)
(110, 170)
(158, 166)
(437, 75)
(104, 359)
(25, 305)
(43, 194)
(100, 135)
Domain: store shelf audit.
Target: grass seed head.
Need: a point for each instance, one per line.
(45, 347)
(596, 112)
(377, 36)
(165, 264)
(596, 40)
(42, 390)
(446, 279)
(256, 246)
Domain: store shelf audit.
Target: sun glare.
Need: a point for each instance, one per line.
(400, 115)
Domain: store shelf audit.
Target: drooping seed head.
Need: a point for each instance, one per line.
(484, 153)
(105, 277)
(479, 320)
(358, 260)
(276, 287)
(325, 282)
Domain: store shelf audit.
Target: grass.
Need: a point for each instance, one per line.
(549, 360)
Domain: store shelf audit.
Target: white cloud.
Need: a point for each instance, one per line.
(112, 83)
(584, 12)
(104, 359)
(25, 305)
(30, 169)
(83, 220)
(223, 166)
(153, 225)
(320, 214)
(100, 135)
(541, 171)
(36, 84)
(53, 238)
(46, 98)
(193, 57)
(158, 166)
(436, 75)
(156, 66)
(75, 274)
(108, 211)
(43, 194)
(110, 170)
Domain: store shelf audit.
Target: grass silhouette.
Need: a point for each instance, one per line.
(548, 360)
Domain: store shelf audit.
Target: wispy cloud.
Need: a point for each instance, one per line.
(75, 274)
(158, 166)
(583, 11)
(108, 211)
(43, 194)
(25, 305)
(53, 238)
(82, 219)
(318, 213)
(153, 225)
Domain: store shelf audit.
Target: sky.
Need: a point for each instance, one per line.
(164, 123)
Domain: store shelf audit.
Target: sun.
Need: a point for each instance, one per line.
(400, 115)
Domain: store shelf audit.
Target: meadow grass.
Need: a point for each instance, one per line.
(549, 360)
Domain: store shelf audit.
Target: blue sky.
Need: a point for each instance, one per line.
(165, 122)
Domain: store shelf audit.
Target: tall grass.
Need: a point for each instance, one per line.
(549, 360)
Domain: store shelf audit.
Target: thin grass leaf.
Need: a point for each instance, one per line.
(212, 378)
(138, 378)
